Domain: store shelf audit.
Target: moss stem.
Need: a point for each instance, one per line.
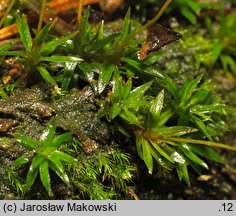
(79, 16)
(40, 23)
(157, 17)
(7, 12)
(149, 23)
(200, 142)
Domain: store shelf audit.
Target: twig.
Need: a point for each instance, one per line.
(64, 5)
(79, 16)
(57, 5)
(40, 23)
(151, 22)
(8, 31)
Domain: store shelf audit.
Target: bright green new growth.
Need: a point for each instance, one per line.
(221, 46)
(194, 107)
(46, 157)
(223, 37)
(103, 175)
(124, 102)
(190, 9)
(155, 141)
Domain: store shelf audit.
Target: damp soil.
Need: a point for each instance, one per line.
(28, 111)
(217, 184)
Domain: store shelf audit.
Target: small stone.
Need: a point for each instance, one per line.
(204, 178)
(7, 124)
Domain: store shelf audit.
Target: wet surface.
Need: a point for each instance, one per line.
(27, 112)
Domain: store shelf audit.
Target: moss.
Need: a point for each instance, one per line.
(77, 111)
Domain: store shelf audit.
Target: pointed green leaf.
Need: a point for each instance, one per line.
(117, 85)
(211, 29)
(33, 170)
(37, 159)
(84, 27)
(115, 110)
(168, 147)
(170, 85)
(59, 155)
(208, 108)
(182, 171)
(20, 161)
(14, 53)
(137, 65)
(200, 124)
(177, 157)
(48, 134)
(187, 90)
(57, 162)
(147, 157)
(27, 141)
(217, 50)
(105, 77)
(30, 179)
(126, 27)
(206, 152)
(127, 88)
(164, 117)
(188, 14)
(140, 91)
(24, 32)
(134, 103)
(161, 151)
(40, 37)
(174, 155)
(157, 105)
(99, 44)
(196, 7)
(228, 63)
(199, 97)
(162, 161)
(60, 139)
(154, 113)
(130, 117)
(4, 48)
(174, 131)
(67, 76)
(46, 75)
(187, 151)
(56, 58)
(45, 176)
(201, 115)
(88, 70)
(139, 143)
(59, 169)
(100, 33)
(50, 47)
